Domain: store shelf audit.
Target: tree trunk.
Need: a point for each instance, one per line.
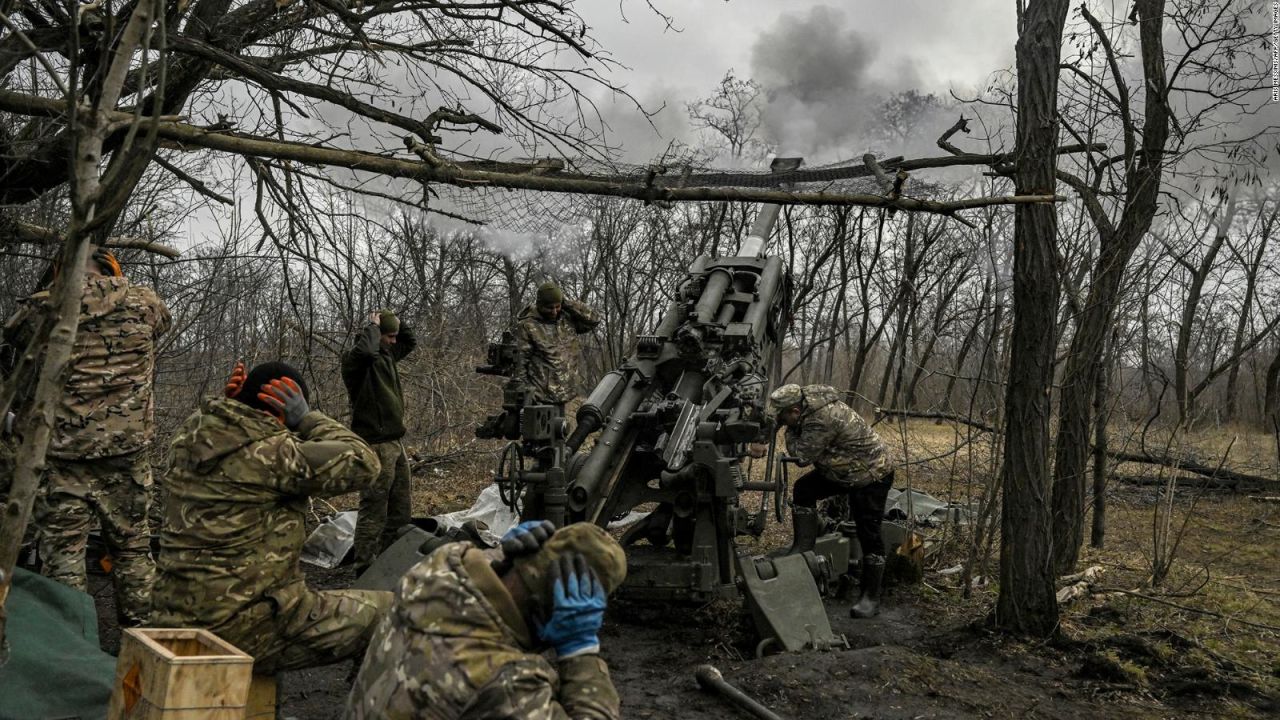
(1027, 603)
(1084, 360)
(1101, 415)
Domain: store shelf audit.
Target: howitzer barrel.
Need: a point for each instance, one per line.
(760, 229)
(770, 281)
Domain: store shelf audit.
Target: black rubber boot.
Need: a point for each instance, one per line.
(806, 525)
(868, 605)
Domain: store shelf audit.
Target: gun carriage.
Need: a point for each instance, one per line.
(671, 425)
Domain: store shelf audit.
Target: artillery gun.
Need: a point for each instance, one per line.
(673, 421)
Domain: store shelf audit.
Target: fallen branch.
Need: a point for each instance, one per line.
(890, 412)
(1265, 498)
(1188, 481)
(1194, 466)
(1199, 611)
(1079, 584)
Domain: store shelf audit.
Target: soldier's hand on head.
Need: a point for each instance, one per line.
(757, 450)
(526, 538)
(286, 399)
(236, 381)
(375, 317)
(577, 611)
(107, 261)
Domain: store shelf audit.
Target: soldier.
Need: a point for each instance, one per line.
(465, 638)
(547, 338)
(97, 464)
(370, 372)
(242, 469)
(848, 457)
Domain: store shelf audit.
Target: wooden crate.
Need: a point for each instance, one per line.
(262, 698)
(179, 674)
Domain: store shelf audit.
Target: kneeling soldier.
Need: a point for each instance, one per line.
(242, 469)
(466, 636)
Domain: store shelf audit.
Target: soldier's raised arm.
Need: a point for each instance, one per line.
(583, 316)
(812, 438)
(406, 342)
(336, 460)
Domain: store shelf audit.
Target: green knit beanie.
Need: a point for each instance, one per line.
(388, 323)
(549, 294)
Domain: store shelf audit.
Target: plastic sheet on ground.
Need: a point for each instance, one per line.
(926, 509)
(329, 544)
(488, 509)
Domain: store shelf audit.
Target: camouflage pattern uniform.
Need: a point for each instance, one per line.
(849, 458)
(103, 424)
(234, 527)
(549, 350)
(835, 438)
(456, 647)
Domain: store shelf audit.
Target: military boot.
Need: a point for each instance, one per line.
(806, 525)
(868, 605)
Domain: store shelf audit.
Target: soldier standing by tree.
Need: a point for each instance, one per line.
(103, 426)
(370, 372)
(547, 338)
(849, 457)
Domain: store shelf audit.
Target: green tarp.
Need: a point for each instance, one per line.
(55, 667)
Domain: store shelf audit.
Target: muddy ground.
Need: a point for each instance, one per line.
(920, 659)
(1204, 643)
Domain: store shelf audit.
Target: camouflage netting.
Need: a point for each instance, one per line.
(544, 213)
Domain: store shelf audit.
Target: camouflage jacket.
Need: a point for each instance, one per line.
(237, 498)
(549, 350)
(456, 647)
(106, 407)
(834, 437)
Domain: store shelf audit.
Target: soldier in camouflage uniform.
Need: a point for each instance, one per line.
(97, 465)
(547, 338)
(465, 638)
(238, 492)
(848, 457)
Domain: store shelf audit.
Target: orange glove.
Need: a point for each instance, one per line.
(107, 261)
(286, 401)
(236, 381)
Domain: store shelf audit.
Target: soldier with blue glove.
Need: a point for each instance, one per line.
(468, 634)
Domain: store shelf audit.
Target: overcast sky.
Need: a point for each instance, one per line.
(843, 49)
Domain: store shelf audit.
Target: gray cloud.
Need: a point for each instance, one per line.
(826, 84)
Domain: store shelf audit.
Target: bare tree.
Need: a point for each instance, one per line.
(1027, 602)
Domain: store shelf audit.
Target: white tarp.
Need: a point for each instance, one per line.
(329, 544)
(488, 509)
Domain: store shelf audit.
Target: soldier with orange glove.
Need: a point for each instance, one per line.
(97, 466)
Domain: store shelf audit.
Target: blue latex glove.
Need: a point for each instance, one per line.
(526, 538)
(578, 602)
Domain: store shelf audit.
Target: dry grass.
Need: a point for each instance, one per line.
(1226, 572)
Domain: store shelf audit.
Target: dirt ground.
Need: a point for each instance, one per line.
(1205, 642)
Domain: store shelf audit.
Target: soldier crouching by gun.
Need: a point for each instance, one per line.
(466, 637)
(848, 457)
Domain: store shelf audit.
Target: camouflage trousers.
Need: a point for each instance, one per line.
(297, 627)
(116, 491)
(386, 506)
